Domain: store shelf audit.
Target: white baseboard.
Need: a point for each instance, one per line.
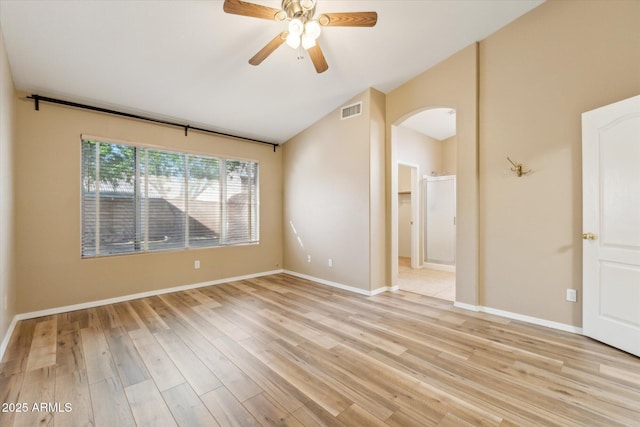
(521, 317)
(341, 286)
(466, 306)
(441, 267)
(7, 336)
(91, 304)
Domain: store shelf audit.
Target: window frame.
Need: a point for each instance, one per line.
(253, 212)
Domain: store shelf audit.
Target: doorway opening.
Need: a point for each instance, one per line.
(426, 157)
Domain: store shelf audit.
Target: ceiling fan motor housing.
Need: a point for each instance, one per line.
(301, 9)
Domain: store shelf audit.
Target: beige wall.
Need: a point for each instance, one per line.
(334, 200)
(50, 271)
(7, 138)
(537, 75)
(377, 193)
(419, 149)
(449, 155)
(452, 83)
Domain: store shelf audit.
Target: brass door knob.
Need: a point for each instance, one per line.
(588, 236)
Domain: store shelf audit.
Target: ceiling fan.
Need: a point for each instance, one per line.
(304, 29)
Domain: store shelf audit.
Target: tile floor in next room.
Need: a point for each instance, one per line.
(426, 281)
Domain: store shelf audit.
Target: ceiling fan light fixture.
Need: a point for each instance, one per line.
(308, 4)
(296, 27)
(293, 40)
(312, 29)
(307, 41)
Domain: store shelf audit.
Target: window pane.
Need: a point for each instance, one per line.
(205, 212)
(166, 199)
(241, 201)
(89, 218)
(117, 207)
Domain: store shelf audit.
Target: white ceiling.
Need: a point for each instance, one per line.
(438, 123)
(187, 60)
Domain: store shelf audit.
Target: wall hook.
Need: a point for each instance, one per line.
(517, 168)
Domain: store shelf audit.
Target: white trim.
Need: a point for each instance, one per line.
(7, 336)
(416, 220)
(466, 306)
(384, 289)
(91, 304)
(521, 317)
(341, 286)
(441, 267)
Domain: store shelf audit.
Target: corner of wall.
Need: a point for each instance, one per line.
(7, 239)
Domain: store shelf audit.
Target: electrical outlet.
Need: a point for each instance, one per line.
(196, 264)
(572, 295)
(330, 262)
(308, 258)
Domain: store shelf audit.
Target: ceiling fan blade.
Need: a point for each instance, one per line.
(349, 19)
(317, 57)
(268, 49)
(238, 7)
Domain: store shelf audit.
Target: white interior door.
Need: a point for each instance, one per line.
(611, 224)
(440, 212)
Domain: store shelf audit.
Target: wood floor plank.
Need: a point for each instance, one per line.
(309, 384)
(201, 379)
(43, 347)
(148, 316)
(108, 316)
(148, 406)
(72, 384)
(97, 356)
(269, 413)
(20, 343)
(129, 364)
(128, 317)
(110, 405)
(162, 369)
(316, 416)
(282, 392)
(72, 400)
(309, 357)
(226, 327)
(187, 408)
(38, 387)
(10, 388)
(280, 350)
(227, 410)
(356, 416)
(69, 353)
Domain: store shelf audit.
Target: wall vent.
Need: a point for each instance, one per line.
(351, 111)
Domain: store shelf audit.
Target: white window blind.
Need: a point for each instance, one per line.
(137, 199)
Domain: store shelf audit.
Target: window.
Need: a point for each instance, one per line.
(137, 199)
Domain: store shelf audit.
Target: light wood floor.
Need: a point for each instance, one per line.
(280, 350)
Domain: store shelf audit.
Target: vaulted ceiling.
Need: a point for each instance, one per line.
(187, 60)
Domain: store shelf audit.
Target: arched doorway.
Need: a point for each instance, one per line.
(426, 162)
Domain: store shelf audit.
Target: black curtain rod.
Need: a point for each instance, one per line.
(38, 98)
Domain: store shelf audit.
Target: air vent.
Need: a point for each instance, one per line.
(351, 111)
